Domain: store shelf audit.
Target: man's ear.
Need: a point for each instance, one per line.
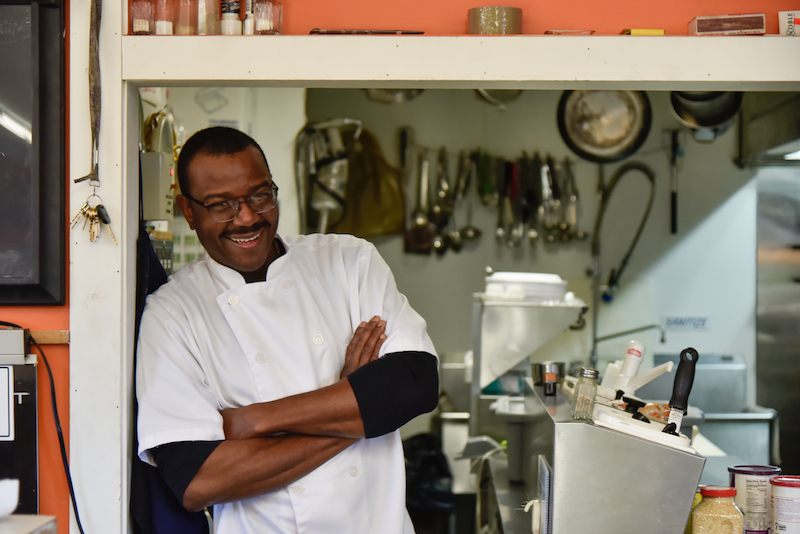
(186, 208)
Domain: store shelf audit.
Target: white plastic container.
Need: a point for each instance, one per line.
(753, 494)
(634, 354)
(785, 501)
(526, 286)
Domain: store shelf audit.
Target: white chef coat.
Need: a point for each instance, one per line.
(210, 341)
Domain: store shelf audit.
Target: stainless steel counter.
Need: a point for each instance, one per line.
(502, 501)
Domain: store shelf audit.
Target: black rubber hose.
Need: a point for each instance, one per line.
(616, 273)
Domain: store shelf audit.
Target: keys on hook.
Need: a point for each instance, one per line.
(95, 216)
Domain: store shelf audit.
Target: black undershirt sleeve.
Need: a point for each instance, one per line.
(394, 389)
(179, 462)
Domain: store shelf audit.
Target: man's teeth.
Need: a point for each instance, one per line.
(244, 239)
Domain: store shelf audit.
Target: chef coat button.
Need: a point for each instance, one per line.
(353, 471)
(288, 284)
(261, 357)
(318, 339)
(298, 490)
(233, 300)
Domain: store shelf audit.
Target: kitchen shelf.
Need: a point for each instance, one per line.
(525, 62)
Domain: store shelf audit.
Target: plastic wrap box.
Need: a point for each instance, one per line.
(749, 24)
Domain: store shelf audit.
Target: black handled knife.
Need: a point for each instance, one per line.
(684, 378)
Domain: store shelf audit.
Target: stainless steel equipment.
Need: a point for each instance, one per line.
(589, 478)
(746, 433)
(778, 310)
(517, 314)
(322, 171)
(158, 157)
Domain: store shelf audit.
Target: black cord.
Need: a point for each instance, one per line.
(57, 420)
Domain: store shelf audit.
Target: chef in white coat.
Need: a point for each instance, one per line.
(274, 372)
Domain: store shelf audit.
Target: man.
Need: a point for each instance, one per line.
(260, 386)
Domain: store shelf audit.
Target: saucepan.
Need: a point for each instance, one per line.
(707, 113)
(538, 370)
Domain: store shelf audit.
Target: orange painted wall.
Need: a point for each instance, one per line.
(53, 495)
(449, 17)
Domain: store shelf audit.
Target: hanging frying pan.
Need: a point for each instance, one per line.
(604, 126)
(707, 113)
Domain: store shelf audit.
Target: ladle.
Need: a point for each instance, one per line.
(454, 240)
(470, 232)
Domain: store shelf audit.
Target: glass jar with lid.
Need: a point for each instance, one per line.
(717, 513)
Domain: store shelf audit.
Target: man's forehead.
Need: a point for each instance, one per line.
(201, 160)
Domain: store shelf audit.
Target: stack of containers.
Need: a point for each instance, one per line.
(205, 17)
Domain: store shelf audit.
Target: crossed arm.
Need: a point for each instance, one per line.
(269, 445)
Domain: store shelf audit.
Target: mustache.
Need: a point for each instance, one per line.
(247, 230)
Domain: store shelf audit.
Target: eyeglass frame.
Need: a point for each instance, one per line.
(236, 204)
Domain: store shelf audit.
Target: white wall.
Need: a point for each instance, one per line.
(706, 270)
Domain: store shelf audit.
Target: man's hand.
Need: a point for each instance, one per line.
(365, 345)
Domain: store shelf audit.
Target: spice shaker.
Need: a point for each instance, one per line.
(585, 391)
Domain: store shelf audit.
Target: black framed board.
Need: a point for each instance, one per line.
(32, 170)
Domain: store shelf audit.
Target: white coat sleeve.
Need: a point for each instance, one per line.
(175, 402)
(406, 330)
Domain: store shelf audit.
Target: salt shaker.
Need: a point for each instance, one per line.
(585, 391)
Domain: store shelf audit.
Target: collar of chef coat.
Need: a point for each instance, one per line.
(231, 279)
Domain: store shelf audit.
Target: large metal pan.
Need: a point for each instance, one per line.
(604, 126)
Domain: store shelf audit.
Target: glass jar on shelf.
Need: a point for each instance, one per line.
(269, 16)
(186, 18)
(142, 16)
(717, 513)
(585, 391)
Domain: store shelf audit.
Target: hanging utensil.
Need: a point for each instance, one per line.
(516, 226)
(707, 113)
(392, 96)
(548, 209)
(533, 196)
(454, 240)
(679, 402)
(487, 185)
(443, 204)
(419, 237)
(470, 232)
(571, 202)
(674, 153)
(604, 126)
(499, 98)
(443, 201)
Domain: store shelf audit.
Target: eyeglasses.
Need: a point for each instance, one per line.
(227, 210)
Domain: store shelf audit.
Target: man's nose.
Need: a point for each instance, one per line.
(246, 215)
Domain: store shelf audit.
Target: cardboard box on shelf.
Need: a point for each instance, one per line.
(747, 24)
(788, 22)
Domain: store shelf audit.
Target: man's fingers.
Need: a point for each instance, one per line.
(361, 336)
(364, 345)
(373, 343)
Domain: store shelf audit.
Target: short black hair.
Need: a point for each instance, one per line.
(216, 140)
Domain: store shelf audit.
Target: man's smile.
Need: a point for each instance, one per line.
(247, 238)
